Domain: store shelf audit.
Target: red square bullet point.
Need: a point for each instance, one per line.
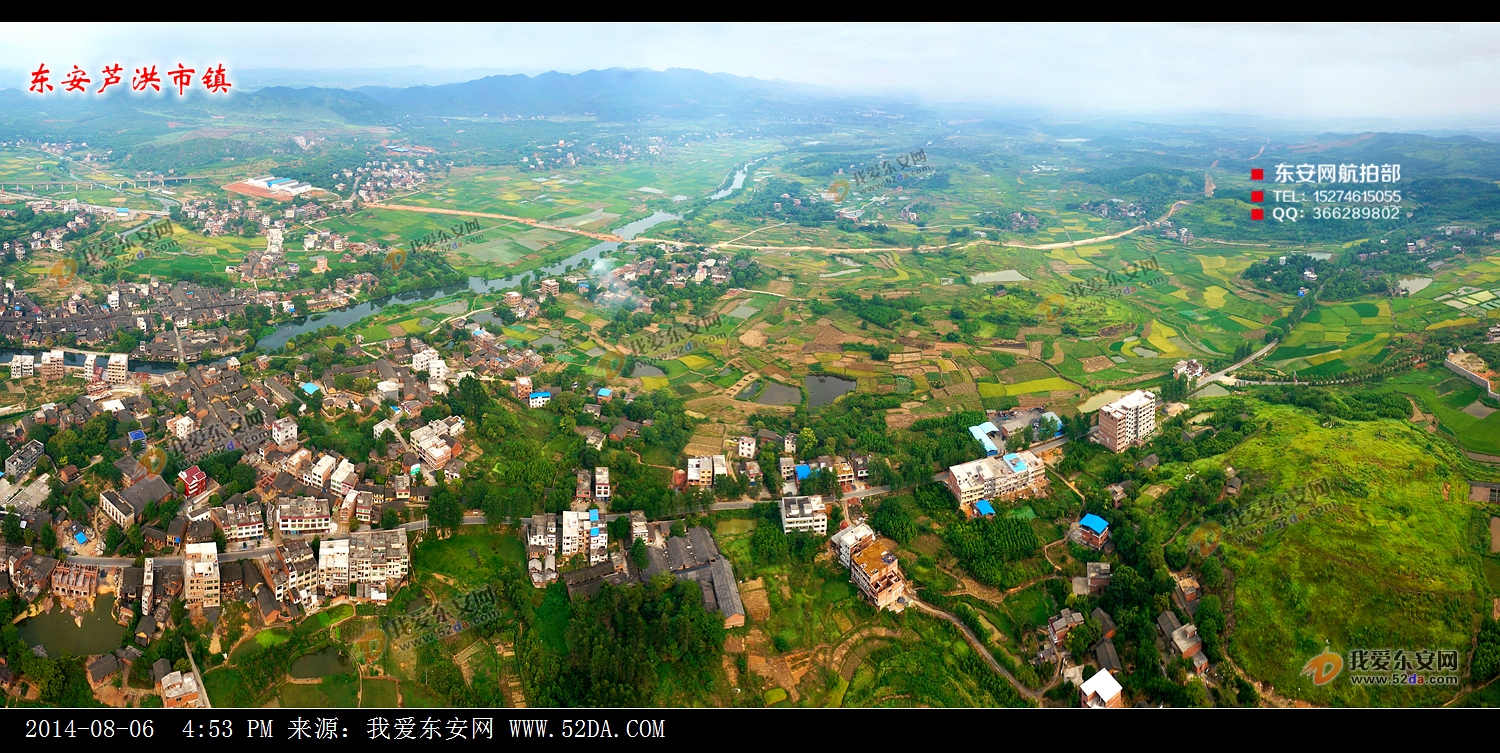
(1257, 196)
(1257, 174)
(1257, 214)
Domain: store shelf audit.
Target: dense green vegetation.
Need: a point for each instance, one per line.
(644, 645)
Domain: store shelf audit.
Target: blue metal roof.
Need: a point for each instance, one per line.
(137, 436)
(984, 507)
(309, 387)
(541, 394)
(605, 392)
(1015, 462)
(1094, 523)
(989, 444)
(803, 471)
(593, 515)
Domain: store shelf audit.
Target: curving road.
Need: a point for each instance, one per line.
(1214, 377)
(979, 646)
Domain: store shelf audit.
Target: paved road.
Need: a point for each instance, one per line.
(982, 649)
(1214, 377)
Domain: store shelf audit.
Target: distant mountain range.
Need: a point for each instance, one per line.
(612, 94)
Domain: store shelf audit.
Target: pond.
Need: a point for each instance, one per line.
(1415, 285)
(58, 633)
(645, 370)
(779, 394)
(822, 390)
(329, 661)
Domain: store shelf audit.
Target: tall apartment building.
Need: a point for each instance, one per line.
(301, 567)
(877, 573)
(583, 532)
(333, 567)
(978, 482)
(118, 371)
(22, 365)
(200, 574)
(52, 365)
(804, 514)
(1128, 422)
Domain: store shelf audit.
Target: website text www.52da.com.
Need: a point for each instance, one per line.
(534, 728)
(1403, 678)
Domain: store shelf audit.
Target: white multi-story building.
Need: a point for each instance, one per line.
(344, 479)
(846, 542)
(1128, 422)
(378, 557)
(284, 431)
(241, 522)
(301, 568)
(387, 425)
(601, 483)
(570, 542)
(303, 515)
(333, 567)
(584, 532)
(118, 371)
(992, 478)
(700, 471)
(318, 473)
(181, 426)
(804, 514)
(541, 530)
(747, 447)
(200, 574)
(22, 365)
(432, 363)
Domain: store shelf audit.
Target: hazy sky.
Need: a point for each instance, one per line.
(1413, 73)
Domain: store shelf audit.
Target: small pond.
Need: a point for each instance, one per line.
(822, 390)
(58, 633)
(645, 370)
(779, 394)
(329, 661)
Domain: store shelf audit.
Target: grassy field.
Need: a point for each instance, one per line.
(1393, 569)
